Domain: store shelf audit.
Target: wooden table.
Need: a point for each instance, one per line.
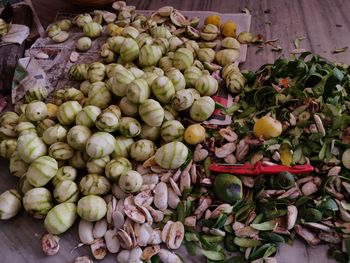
(324, 24)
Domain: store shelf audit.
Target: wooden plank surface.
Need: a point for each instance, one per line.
(325, 24)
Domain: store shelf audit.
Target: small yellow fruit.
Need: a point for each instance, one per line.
(51, 110)
(194, 134)
(213, 19)
(286, 155)
(267, 127)
(228, 29)
(114, 30)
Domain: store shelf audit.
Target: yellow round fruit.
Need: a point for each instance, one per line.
(194, 134)
(267, 127)
(228, 29)
(213, 19)
(51, 110)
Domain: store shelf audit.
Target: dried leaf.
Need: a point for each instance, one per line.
(258, 39)
(339, 50)
(297, 41)
(276, 48)
(246, 11)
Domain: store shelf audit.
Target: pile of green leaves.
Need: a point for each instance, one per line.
(298, 88)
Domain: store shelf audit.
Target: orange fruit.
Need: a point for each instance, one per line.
(228, 29)
(213, 19)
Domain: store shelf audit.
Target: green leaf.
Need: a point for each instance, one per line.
(213, 255)
(220, 222)
(191, 248)
(265, 226)
(246, 242)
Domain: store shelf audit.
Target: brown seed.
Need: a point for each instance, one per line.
(98, 248)
(149, 252)
(176, 235)
(50, 244)
(228, 134)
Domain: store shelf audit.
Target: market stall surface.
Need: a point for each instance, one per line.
(325, 26)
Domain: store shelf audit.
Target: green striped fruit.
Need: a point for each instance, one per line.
(141, 150)
(144, 39)
(99, 95)
(177, 78)
(160, 32)
(128, 108)
(155, 70)
(130, 31)
(163, 89)
(129, 127)
(149, 77)
(115, 43)
(171, 131)
(96, 72)
(138, 91)
(129, 51)
(24, 185)
(30, 147)
(73, 94)
(192, 74)
(9, 117)
(82, 19)
(182, 100)
(67, 112)
(136, 71)
(116, 167)
(17, 167)
(66, 191)
(174, 43)
(83, 44)
(41, 171)
(53, 30)
(149, 55)
(37, 202)
(7, 148)
(44, 125)
(228, 69)
(97, 165)
(10, 204)
(169, 113)
(54, 134)
(130, 182)
(107, 121)
(92, 208)
(206, 85)
(58, 97)
(64, 173)
(122, 146)
(77, 137)
(92, 29)
(165, 63)
(112, 69)
(162, 44)
(79, 159)
(206, 55)
(25, 127)
(114, 109)
(60, 218)
(100, 144)
(152, 113)
(61, 151)
(149, 132)
(118, 83)
(235, 82)
(94, 184)
(36, 92)
(202, 109)
(171, 155)
(78, 72)
(226, 56)
(183, 59)
(36, 111)
(87, 116)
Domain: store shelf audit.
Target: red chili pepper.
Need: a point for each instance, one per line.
(260, 168)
